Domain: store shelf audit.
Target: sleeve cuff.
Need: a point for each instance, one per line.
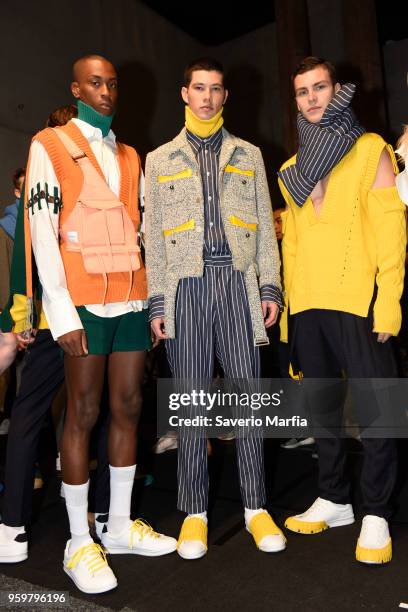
(62, 316)
(156, 307)
(270, 293)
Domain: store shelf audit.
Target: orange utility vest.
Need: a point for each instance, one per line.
(85, 288)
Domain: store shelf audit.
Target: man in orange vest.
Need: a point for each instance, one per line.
(96, 313)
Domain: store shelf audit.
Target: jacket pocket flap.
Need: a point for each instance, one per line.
(236, 170)
(240, 223)
(188, 225)
(165, 178)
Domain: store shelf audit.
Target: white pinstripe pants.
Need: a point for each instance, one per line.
(212, 317)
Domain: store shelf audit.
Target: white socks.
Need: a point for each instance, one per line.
(76, 499)
(201, 515)
(121, 485)
(249, 514)
(13, 532)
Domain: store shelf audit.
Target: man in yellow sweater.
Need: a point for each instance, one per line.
(343, 255)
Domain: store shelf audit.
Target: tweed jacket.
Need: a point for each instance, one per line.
(174, 214)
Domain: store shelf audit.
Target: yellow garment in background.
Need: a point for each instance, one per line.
(19, 312)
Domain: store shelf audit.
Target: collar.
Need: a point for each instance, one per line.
(94, 134)
(214, 141)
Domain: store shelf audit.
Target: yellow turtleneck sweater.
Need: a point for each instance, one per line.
(203, 127)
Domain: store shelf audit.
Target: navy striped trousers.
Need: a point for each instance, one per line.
(212, 318)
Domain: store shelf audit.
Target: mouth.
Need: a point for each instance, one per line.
(313, 109)
(206, 108)
(106, 106)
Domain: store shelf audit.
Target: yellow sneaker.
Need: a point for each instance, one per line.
(374, 546)
(267, 535)
(192, 542)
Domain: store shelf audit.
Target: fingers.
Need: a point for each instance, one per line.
(74, 343)
(383, 337)
(157, 326)
(272, 310)
(84, 343)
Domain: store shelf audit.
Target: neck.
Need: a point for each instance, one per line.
(91, 116)
(203, 127)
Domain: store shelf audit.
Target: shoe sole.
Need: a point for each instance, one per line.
(187, 558)
(341, 522)
(14, 558)
(133, 551)
(88, 591)
(327, 525)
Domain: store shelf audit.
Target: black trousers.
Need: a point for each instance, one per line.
(41, 378)
(325, 343)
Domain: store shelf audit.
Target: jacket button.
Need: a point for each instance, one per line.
(173, 242)
(171, 186)
(247, 235)
(244, 182)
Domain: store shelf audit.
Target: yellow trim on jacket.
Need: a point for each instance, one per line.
(334, 260)
(235, 170)
(188, 225)
(240, 223)
(164, 178)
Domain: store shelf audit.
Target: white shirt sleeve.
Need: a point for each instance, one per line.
(59, 309)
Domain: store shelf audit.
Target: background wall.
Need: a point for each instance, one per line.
(41, 39)
(38, 47)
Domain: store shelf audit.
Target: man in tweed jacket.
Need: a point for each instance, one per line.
(214, 282)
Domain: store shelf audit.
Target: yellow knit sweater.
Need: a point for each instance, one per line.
(334, 261)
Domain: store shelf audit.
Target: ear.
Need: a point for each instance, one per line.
(337, 87)
(225, 96)
(17, 193)
(75, 89)
(184, 94)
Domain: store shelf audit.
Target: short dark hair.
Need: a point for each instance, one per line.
(310, 63)
(62, 115)
(20, 172)
(202, 63)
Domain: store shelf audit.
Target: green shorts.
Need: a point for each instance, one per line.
(127, 332)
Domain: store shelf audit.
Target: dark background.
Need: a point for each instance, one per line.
(151, 41)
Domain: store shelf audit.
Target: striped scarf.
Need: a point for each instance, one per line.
(322, 145)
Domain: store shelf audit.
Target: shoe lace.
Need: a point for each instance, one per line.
(142, 529)
(93, 556)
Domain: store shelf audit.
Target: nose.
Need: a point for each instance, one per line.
(207, 94)
(104, 90)
(312, 96)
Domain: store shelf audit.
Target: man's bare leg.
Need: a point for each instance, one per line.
(84, 378)
(122, 535)
(125, 373)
